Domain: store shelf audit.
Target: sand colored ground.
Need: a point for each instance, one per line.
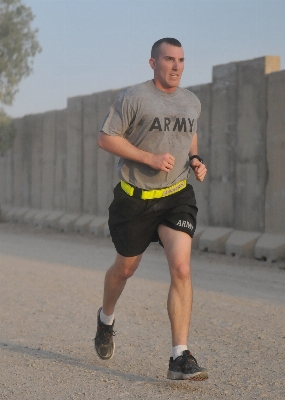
(51, 288)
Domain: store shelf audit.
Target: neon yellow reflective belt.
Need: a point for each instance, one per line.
(154, 193)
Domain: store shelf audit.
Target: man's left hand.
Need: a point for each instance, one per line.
(199, 169)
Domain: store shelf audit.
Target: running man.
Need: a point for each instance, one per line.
(152, 128)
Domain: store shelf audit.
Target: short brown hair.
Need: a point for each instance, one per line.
(156, 46)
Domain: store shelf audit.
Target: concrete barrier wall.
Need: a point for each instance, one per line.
(17, 168)
(202, 190)
(251, 163)
(90, 149)
(74, 155)
(59, 173)
(9, 177)
(34, 146)
(55, 163)
(3, 165)
(6, 180)
(48, 160)
(275, 188)
(222, 145)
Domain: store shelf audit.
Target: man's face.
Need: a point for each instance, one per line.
(168, 67)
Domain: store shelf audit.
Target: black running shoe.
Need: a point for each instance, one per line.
(104, 344)
(186, 367)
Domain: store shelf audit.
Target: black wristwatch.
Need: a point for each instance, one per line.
(198, 158)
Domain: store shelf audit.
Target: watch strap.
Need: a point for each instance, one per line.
(196, 156)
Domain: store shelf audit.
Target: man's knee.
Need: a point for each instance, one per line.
(180, 271)
(125, 273)
(125, 267)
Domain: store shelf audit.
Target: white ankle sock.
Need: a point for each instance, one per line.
(106, 319)
(178, 350)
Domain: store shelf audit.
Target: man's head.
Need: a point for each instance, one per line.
(167, 62)
(156, 46)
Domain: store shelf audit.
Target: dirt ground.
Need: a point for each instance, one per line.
(51, 287)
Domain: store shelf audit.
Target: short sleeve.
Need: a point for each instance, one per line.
(197, 106)
(119, 117)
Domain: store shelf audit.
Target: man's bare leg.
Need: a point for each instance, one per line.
(177, 246)
(115, 280)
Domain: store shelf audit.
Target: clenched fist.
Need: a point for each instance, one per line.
(163, 162)
(199, 169)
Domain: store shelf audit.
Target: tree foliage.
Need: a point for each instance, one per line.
(18, 46)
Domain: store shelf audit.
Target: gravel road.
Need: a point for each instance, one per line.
(50, 290)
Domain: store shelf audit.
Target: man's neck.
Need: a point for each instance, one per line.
(162, 88)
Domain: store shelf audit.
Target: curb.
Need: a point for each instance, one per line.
(235, 243)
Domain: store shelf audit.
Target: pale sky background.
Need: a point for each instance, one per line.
(95, 45)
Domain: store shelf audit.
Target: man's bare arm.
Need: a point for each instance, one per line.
(122, 148)
(199, 168)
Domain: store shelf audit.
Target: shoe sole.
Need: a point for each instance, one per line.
(198, 376)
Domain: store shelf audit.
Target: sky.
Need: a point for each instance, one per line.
(91, 46)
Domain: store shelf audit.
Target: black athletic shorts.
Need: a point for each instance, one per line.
(133, 222)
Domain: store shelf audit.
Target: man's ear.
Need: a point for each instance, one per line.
(152, 63)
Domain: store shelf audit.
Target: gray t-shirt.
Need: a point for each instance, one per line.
(156, 122)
